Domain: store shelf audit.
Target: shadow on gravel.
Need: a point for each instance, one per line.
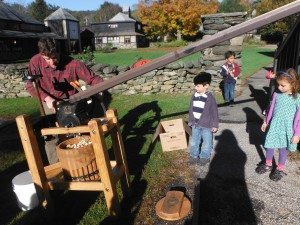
(222, 196)
(256, 136)
(260, 96)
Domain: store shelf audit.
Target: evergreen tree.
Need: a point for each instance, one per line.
(228, 6)
(107, 11)
(38, 9)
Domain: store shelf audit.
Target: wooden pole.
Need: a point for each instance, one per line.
(219, 37)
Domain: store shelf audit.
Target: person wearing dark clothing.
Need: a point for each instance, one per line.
(56, 71)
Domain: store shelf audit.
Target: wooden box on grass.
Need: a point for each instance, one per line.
(172, 134)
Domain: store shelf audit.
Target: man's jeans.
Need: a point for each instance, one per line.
(229, 92)
(201, 134)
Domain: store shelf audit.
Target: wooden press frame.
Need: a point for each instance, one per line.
(50, 177)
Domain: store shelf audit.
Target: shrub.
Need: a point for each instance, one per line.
(253, 41)
(87, 56)
(171, 44)
(107, 48)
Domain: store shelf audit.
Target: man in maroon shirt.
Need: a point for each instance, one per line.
(57, 71)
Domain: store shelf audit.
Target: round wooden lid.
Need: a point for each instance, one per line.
(174, 206)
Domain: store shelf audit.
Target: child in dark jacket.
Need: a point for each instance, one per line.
(230, 72)
(203, 118)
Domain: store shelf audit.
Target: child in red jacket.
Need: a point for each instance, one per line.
(230, 72)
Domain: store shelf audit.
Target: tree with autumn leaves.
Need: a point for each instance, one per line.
(274, 32)
(174, 18)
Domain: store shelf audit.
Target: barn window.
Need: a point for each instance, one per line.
(113, 25)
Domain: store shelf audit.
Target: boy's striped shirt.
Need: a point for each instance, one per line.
(199, 101)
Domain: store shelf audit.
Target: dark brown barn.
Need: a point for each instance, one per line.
(19, 34)
(87, 38)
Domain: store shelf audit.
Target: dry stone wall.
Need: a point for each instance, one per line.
(176, 77)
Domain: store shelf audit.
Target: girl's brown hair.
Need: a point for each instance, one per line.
(292, 77)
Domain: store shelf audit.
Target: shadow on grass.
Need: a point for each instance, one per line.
(268, 53)
(222, 196)
(70, 207)
(8, 203)
(136, 125)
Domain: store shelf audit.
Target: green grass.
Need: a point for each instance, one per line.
(11, 108)
(123, 57)
(139, 116)
(254, 57)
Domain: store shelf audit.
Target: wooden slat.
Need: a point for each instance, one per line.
(104, 167)
(76, 185)
(65, 130)
(54, 171)
(34, 159)
(118, 171)
(79, 129)
(119, 153)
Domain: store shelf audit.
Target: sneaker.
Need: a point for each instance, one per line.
(231, 104)
(263, 168)
(203, 161)
(193, 161)
(277, 175)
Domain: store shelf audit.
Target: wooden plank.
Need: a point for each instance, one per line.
(119, 152)
(219, 37)
(34, 159)
(65, 130)
(54, 172)
(78, 129)
(104, 167)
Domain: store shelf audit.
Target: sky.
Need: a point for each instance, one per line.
(76, 5)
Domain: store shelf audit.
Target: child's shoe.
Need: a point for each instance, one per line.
(277, 175)
(193, 161)
(263, 168)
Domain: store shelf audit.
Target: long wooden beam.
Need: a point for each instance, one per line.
(219, 37)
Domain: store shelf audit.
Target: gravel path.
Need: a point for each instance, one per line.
(229, 191)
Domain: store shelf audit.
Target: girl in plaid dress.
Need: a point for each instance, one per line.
(283, 123)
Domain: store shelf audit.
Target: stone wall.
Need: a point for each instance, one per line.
(213, 57)
(176, 77)
(11, 84)
(173, 78)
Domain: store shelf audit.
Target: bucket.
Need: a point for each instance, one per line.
(78, 163)
(25, 191)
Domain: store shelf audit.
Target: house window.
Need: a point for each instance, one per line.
(113, 39)
(98, 40)
(113, 25)
(127, 40)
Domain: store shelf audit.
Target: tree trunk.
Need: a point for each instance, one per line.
(178, 35)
